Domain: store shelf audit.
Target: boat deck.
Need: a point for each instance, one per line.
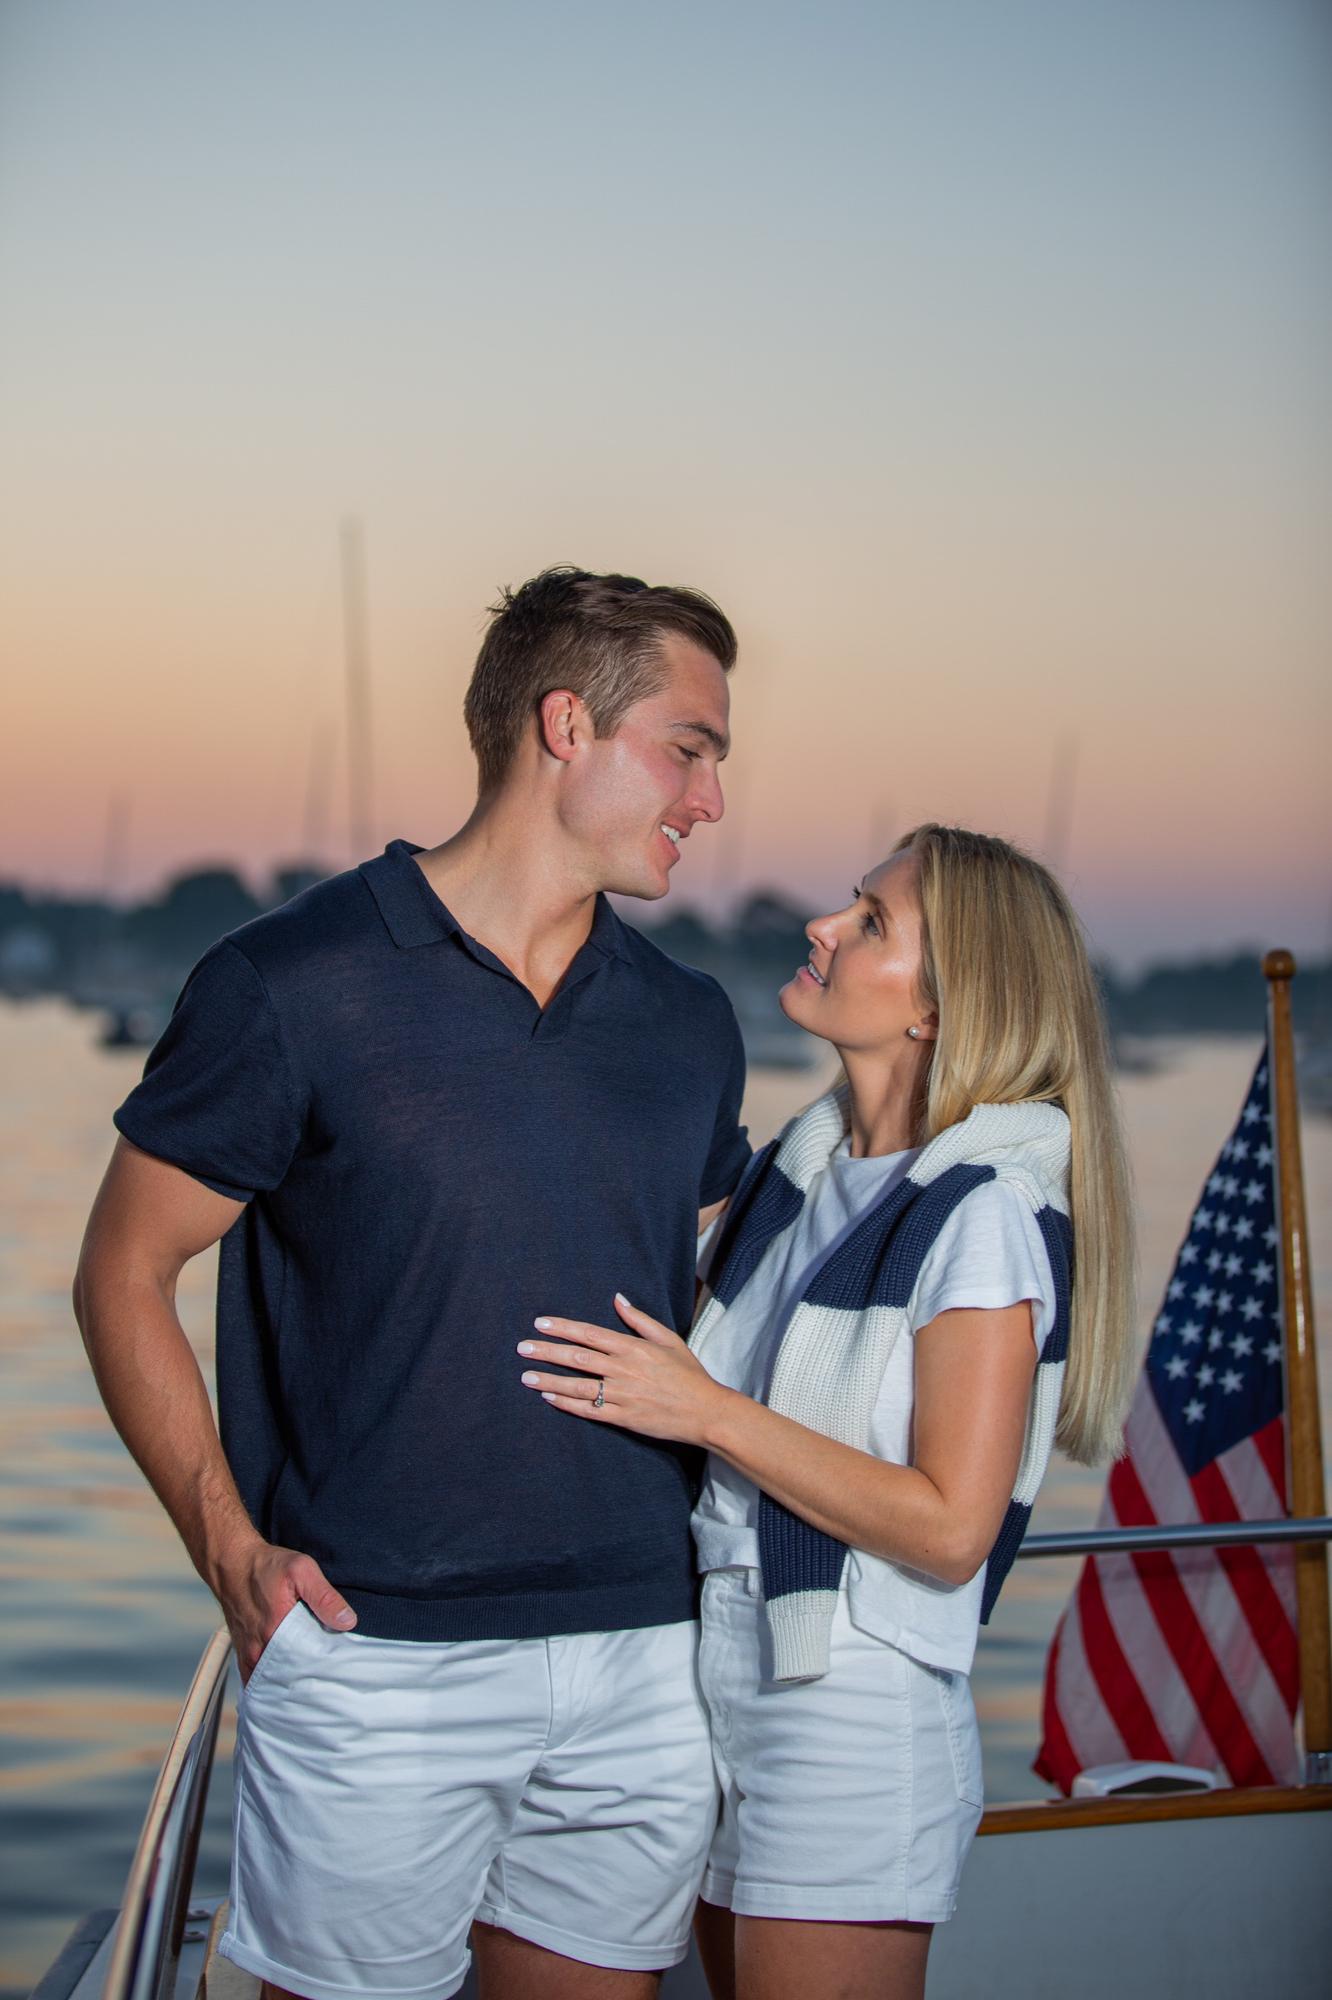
(1225, 1890)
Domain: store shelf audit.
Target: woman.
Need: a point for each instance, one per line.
(892, 1340)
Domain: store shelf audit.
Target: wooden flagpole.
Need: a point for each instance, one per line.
(1304, 1442)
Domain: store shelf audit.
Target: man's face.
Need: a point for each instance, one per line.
(659, 770)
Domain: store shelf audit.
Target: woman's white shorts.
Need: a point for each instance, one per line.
(389, 1791)
(848, 1799)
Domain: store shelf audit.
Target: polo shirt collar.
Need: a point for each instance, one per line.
(607, 932)
(414, 915)
(412, 912)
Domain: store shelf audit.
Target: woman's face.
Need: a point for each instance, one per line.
(860, 987)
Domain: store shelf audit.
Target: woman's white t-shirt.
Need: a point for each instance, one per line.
(989, 1253)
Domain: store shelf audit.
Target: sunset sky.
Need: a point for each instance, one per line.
(973, 354)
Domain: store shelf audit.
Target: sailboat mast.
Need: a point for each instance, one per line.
(360, 807)
(115, 844)
(1059, 801)
(314, 823)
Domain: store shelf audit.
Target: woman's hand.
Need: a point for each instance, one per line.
(651, 1384)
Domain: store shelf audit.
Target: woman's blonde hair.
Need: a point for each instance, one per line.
(1004, 965)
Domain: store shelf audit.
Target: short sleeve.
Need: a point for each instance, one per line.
(730, 1150)
(989, 1254)
(218, 1098)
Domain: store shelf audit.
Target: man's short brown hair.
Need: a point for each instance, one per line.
(598, 636)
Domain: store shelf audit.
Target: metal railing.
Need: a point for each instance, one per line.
(1188, 1535)
(151, 1926)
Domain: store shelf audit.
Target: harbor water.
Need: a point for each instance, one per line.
(104, 1616)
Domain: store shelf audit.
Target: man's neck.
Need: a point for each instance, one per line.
(503, 877)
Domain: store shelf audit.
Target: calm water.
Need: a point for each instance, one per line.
(105, 1618)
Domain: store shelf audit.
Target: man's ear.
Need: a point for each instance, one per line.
(562, 721)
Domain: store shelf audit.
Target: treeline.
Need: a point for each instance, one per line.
(1197, 995)
(1214, 995)
(52, 943)
(59, 944)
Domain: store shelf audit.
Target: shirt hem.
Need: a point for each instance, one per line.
(950, 1658)
(717, 1551)
(957, 1658)
(535, 1614)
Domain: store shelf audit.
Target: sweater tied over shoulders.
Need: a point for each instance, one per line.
(836, 1345)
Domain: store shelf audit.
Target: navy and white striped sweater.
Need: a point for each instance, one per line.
(833, 1353)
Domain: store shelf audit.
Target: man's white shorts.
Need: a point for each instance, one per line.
(388, 1791)
(851, 1799)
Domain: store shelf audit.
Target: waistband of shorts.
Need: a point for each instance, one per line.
(533, 1614)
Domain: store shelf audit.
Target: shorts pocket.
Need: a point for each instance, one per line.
(964, 1746)
(276, 1638)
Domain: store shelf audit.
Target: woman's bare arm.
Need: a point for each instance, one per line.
(941, 1513)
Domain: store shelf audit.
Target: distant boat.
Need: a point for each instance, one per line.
(131, 1027)
(1134, 1055)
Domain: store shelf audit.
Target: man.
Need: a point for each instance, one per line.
(421, 1104)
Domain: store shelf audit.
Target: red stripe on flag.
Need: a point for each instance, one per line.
(1252, 1585)
(1128, 1496)
(1188, 1642)
(1119, 1685)
(1056, 1760)
(1270, 1443)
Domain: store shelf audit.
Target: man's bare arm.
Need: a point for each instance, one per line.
(148, 1220)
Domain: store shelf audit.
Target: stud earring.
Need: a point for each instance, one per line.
(914, 1033)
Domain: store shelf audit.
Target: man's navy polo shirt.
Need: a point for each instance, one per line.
(428, 1162)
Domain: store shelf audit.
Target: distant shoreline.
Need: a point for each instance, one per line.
(133, 959)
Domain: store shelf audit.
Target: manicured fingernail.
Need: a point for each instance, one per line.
(345, 1618)
(621, 1300)
(527, 1347)
(541, 1324)
(530, 1379)
(548, 1395)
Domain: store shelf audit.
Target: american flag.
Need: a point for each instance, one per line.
(1192, 1658)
